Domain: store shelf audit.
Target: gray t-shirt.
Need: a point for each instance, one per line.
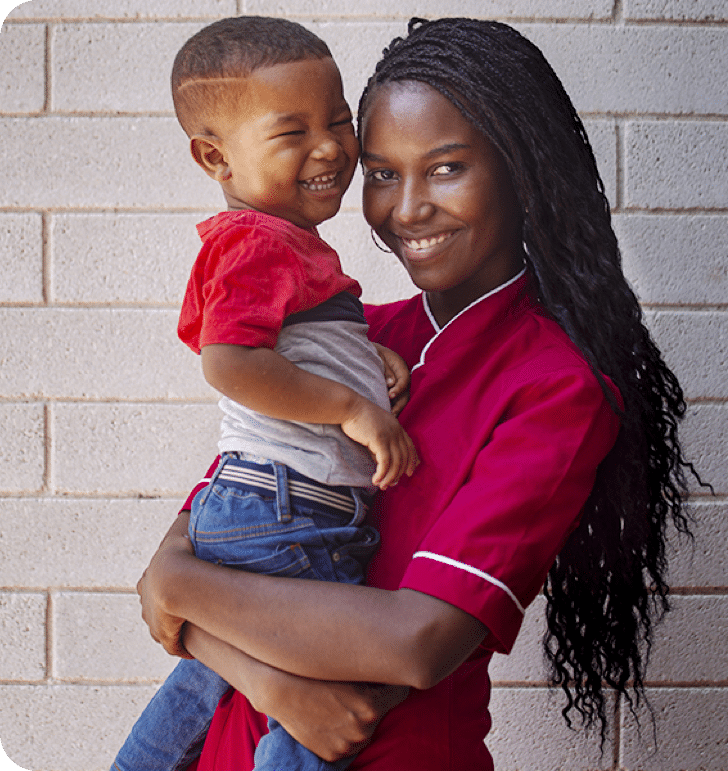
(334, 345)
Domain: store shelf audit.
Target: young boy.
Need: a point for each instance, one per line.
(282, 336)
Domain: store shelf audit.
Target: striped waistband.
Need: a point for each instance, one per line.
(262, 479)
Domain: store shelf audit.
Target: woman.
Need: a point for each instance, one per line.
(544, 416)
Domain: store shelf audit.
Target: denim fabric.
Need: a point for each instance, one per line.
(263, 534)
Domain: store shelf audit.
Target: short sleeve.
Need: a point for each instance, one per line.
(490, 550)
(255, 284)
(252, 272)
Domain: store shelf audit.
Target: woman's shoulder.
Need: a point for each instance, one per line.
(395, 319)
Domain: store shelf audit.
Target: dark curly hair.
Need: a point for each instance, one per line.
(608, 585)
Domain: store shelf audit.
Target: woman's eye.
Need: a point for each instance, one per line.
(380, 175)
(447, 168)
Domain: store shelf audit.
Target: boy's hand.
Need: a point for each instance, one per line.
(397, 377)
(380, 432)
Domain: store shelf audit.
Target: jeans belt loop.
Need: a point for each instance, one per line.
(283, 500)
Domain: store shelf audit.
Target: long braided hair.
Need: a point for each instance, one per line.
(608, 585)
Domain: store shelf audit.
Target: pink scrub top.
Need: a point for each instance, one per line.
(510, 424)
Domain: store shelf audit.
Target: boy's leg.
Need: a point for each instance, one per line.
(337, 548)
(168, 735)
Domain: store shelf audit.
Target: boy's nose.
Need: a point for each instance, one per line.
(328, 148)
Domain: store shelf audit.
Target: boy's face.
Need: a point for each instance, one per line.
(290, 149)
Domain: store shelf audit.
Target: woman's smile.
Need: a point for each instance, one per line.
(423, 246)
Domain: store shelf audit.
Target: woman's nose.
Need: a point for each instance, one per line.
(412, 205)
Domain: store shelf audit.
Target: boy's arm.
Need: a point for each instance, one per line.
(332, 719)
(265, 381)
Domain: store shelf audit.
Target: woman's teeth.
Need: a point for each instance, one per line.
(425, 243)
(324, 182)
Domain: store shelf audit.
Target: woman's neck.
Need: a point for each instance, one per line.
(445, 305)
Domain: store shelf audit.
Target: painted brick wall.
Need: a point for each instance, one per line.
(105, 421)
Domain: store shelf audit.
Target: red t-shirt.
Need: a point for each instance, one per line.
(253, 271)
(510, 424)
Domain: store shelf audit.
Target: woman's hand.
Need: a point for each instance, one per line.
(397, 377)
(165, 628)
(334, 720)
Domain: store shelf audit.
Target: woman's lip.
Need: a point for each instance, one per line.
(424, 245)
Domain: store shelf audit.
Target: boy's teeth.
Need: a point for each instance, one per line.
(321, 183)
(425, 243)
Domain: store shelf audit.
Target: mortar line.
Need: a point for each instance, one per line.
(47, 106)
(616, 749)
(50, 663)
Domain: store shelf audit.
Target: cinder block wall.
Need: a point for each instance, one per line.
(105, 421)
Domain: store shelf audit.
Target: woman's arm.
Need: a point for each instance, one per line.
(312, 629)
(333, 720)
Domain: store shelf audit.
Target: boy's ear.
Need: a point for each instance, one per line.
(207, 151)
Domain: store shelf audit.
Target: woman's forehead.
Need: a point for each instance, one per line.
(416, 111)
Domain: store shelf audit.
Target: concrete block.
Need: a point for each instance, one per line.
(382, 277)
(694, 626)
(22, 68)
(486, 9)
(22, 453)
(355, 45)
(676, 164)
(675, 259)
(64, 543)
(633, 69)
(692, 732)
(22, 636)
(525, 663)
(104, 163)
(118, 55)
(677, 10)
(97, 353)
(21, 257)
(704, 562)
(144, 449)
(140, 259)
(102, 637)
(695, 346)
(703, 437)
(68, 727)
(529, 734)
(124, 9)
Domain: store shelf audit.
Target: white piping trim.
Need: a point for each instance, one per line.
(469, 569)
(439, 329)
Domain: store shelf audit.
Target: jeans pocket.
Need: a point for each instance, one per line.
(288, 561)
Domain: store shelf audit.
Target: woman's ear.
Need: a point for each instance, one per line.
(207, 150)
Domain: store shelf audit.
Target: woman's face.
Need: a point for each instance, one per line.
(438, 193)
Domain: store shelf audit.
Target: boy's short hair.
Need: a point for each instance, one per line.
(231, 49)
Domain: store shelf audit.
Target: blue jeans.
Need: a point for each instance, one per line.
(273, 531)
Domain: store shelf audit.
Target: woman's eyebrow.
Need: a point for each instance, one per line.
(442, 150)
(365, 156)
(449, 148)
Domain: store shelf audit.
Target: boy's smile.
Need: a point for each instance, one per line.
(288, 148)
